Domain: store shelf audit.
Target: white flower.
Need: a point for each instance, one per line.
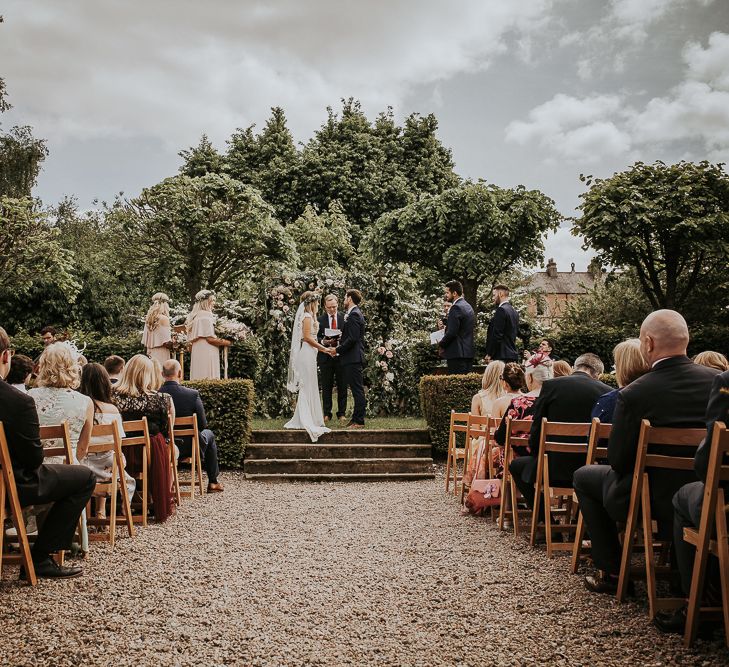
(390, 376)
(287, 280)
(388, 346)
(286, 309)
(329, 282)
(384, 366)
(297, 284)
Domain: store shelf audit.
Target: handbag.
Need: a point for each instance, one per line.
(483, 492)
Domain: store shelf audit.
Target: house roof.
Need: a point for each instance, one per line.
(552, 281)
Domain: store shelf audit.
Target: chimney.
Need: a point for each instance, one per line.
(573, 267)
(551, 268)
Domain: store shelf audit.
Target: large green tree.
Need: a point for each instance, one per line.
(323, 240)
(209, 231)
(669, 223)
(474, 232)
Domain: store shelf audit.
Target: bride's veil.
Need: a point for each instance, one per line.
(292, 383)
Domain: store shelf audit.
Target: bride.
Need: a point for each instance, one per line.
(302, 368)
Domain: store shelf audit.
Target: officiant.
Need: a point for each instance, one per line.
(330, 328)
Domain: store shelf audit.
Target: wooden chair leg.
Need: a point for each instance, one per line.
(175, 475)
(630, 527)
(145, 489)
(2, 521)
(199, 470)
(577, 548)
(16, 515)
(650, 556)
(537, 501)
(126, 501)
(722, 540)
(448, 462)
(547, 507)
(112, 501)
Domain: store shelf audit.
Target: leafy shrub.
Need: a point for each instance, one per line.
(229, 410)
(97, 346)
(245, 359)
(439, 394)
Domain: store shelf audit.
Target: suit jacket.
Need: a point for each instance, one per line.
(673, 394)
(501, 334)
(457, 342)
(717, 411)
(351, 345)
(565, 399)
(22, 430)
(187, 402)
(321, 358)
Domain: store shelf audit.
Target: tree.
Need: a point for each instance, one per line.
(21, 156)
(323, 240)
(202, 159)
(211, 230)
(670, 223)
(474, 232)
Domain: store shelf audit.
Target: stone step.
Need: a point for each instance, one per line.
(283, 450)
(292, 467)
(341, 477)
(405, 436)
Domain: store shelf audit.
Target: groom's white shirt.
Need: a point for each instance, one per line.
(348, 312)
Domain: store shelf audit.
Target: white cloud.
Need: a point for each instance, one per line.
(565, 249)
(630, 18)
(172, 69)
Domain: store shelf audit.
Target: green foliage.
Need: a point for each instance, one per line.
(202, 159)
(96, 347)
(323, 240)
(245, 359)
(439, 394)
(670, 223)
(21, 157)
(212, 230)
(229, 411)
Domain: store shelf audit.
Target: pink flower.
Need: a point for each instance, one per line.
(389, 354)
(380, 350)
(285, 309)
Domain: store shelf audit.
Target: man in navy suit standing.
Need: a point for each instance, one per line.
(503, 328)
(350, 352)
(331, 367)
(456, 346)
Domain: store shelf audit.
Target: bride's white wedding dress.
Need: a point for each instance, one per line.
(303, 378)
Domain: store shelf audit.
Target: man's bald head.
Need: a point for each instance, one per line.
(664, 333)
(171, 369)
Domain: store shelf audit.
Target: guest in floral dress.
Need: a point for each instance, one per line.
(157, 336)
(135, 396)
(96, 385)
(57, 400)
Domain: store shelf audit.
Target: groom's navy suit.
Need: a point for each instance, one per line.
(352, 358)
(331, 371)
(457, 343)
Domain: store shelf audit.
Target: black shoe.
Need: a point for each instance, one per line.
(671, 622)
(49, 569)
(606, 583)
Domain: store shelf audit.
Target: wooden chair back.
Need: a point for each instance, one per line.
(516, 435)
(477, 427)
(459, 424)
(711, 536)
(62, 437)
(550, 443)
(9, 498)
(670, 440)
(137, 435)
(596, 451)
(187, 427)
(117, 484)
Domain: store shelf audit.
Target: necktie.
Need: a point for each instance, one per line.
(334, 321)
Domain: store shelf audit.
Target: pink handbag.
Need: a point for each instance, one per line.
(483, 492)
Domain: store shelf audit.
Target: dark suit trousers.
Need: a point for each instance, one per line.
(331, 374)
(524, 471)
(208, 452)
(69, 488)
(353, 379)
(459, 366)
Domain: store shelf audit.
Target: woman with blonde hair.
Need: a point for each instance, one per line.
(205, 353)
(136, 396)
(56, 400)
(157, 335)
(712, 360)
(491, 389)
(629, 366)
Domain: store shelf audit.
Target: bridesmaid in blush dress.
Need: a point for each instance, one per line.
(157, 337)
(205, 353)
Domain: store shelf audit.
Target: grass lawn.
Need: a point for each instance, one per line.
(260, 424)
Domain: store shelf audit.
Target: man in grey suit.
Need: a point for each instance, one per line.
(456, 346)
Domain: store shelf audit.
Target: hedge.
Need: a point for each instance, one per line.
(439, 394)
(98, 347)
(229, 410)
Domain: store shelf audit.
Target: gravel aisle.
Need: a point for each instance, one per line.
(327, 574)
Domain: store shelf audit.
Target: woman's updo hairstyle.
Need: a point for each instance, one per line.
(514, 376)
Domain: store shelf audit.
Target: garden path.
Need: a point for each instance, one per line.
(327, 574)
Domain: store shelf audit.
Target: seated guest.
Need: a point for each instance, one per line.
(674, 393)
(136, 397)
(512, 381)
(491, 389)
(67, 488)
(545, 350)
(95, 384)
(114, 366)
(187, 403)
(21, 370)
(56, 399)
(629, 366)
(564, 399)
(712, 360)
(561, 368)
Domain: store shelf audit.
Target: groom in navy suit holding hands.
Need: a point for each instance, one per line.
(350, 353)
(456, 346)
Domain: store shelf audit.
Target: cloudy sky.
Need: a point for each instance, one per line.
(532, 92)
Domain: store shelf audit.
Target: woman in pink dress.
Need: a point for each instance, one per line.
(205, 353)
(157, 337)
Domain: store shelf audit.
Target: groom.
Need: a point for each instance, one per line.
(351, 354)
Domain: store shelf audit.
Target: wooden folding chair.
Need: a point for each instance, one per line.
(493, 426)
(543, 485)
(9, 494)
(117, 484)
(187, 427)
(141, 439)
(599, 433)
(713, 520)
(517, 435)
(173, 463)
(477, 427)
(677, 439)
(459, 424)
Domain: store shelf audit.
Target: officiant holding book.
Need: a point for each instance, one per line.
(330, 368)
